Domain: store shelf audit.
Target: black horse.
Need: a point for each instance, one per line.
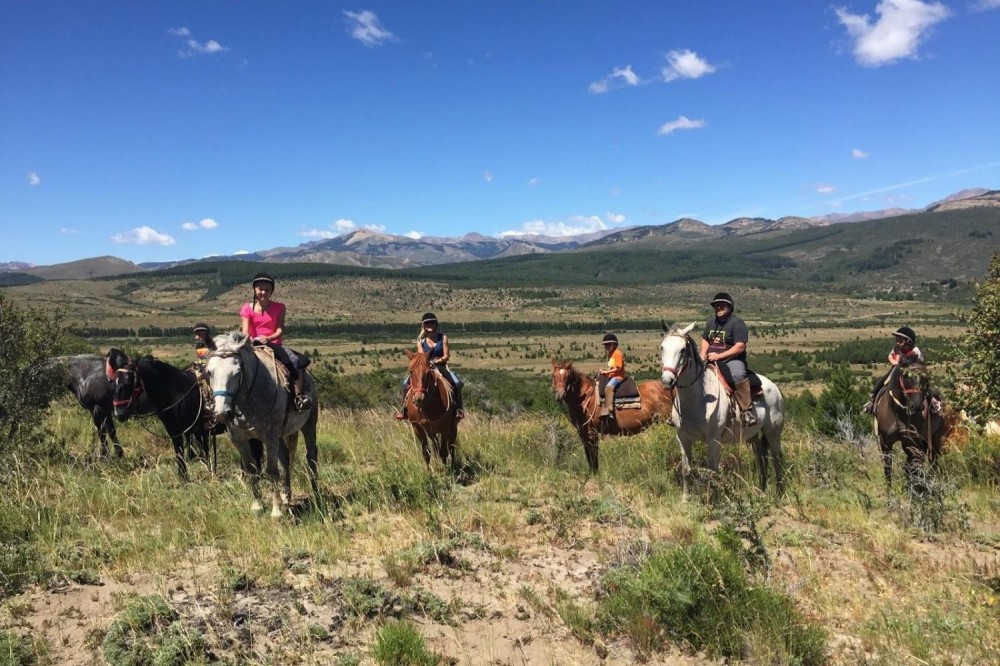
(86, 376)
(903, 414)
(172, 394)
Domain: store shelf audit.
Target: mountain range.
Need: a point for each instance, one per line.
(376, 250)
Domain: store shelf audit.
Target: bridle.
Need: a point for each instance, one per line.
(906, 391)
(687, 355)
(138, 387)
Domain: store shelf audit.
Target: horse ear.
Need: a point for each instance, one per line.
(663, 325)
(108, 370)
(410, 353)
(688, 328)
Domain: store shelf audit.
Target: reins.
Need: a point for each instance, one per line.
(140, 388)
(690, 353)
(423, 390)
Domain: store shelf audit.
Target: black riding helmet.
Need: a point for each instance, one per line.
(428, 317)
(723, 297)
(200, 327)
(610, 338)
(906, 333)
(262, 277)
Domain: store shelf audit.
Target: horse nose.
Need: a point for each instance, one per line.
(668, 379)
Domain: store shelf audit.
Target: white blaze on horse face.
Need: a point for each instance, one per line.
(670, 355)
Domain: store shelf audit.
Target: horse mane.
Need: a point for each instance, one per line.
(424, 359)
(172, 376)
(229, 342)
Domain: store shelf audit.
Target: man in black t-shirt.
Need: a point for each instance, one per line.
(725, 342)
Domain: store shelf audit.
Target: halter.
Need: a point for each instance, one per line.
(436, 373)
(140, 388)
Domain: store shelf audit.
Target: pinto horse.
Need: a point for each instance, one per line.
(903, 414)
(430, 409)
(703, 409)
(579, 393)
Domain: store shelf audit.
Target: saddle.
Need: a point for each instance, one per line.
(207, 418)
(626, 393)
(266, 355)
(756, 387)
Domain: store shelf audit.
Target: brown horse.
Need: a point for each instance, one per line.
(903, 414)
(579, 393)
(430, 409)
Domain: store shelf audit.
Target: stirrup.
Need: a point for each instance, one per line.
(868, 407)
(459, 414)
(400, 415)
(301, 403)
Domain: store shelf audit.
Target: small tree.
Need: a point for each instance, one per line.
(27, 384)
(839, 406)
(976, 384)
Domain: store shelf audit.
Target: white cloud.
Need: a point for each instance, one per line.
(824, 188)
(986, 5)
(614, 218)
(488, 176)
(415, 235)
(339, 228)
(685, 64)
(573, 226)
(859, 154)
(211, 46)
(897, 33)
(682, 123)
(207, 223)
(365, 27)
(34, 179)
(533, 181)
(179, 32)
(143, 236)
(241, 252)
(617, 78)
(67, 230)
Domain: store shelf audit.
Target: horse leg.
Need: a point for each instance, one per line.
(251, 452)
(99, 419)
(278, 474)
(110, 432)
(425, 447)
(312, 453)
(591, 447)
(774, 445)
(453, 445)
(685, 464)
(885, 446)
(760, 452)
(178, 441)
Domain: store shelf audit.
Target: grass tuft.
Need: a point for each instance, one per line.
(398, 643)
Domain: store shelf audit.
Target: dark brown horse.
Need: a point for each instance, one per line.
(579, 393)
(430, 409)
(903, 414)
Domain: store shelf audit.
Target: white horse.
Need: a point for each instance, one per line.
(702, 409)
(250, 396)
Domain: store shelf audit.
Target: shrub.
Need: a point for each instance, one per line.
(699, 596)
(398, 643)
(839, 405)
(978, 352)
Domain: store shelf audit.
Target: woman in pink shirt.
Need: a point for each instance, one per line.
(264, 322)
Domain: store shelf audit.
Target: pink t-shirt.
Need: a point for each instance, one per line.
(264, 323)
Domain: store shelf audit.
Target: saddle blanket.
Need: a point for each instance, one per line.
(626, 393)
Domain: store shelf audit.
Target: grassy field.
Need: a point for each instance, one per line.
(520, 558)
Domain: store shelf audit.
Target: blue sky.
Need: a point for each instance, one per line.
(164, 130)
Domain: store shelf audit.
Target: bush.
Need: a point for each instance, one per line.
(398, 643)
(699, 595)
(976, 389)
(27, 385)
(838, 409)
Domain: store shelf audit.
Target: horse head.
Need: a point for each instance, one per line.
(224, 368)
(123, 373)
(912, 383)
(422, 375)
(564, 379)
(675, 352)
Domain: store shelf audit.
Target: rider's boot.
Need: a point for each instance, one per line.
(608, 408)
(745, 402)
(301, 400)
(459, 412)
(401, 414)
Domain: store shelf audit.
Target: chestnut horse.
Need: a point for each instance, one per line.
(430, 409)
(579, 393)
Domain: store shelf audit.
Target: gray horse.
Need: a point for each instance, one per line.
(251, 396)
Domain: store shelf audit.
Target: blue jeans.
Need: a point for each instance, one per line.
(614, 382)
